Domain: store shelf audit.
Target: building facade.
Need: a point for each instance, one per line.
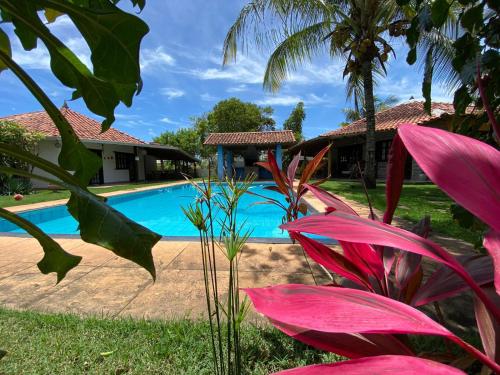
(124, 157)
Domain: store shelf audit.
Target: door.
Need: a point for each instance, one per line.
(98, 178)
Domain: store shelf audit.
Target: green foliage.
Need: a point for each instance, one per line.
(474, 53)
(68, 344)
(351, 114)
(234, 115)
(12, 133)
(228, 236)
(187, 139)
(113, 37)
(294, 122)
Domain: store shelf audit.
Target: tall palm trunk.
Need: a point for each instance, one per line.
(370, 164)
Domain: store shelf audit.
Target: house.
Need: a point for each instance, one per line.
(124, 157)
(348, 142)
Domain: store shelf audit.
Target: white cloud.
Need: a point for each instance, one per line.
(172, 93)
(239, 88)
(406, 88)
(167, 120)
(245, 71)
(292, 100)
(38, 58)
(152, 59)
(206, 97)
(249, 70)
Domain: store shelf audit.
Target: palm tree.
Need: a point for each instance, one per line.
(356, 113)
(297, 30)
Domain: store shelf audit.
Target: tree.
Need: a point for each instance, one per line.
(233, 115)
(187, 139)
(355, 31)
(294, 122)
(14, 134)
(353, 114)
(474, 52)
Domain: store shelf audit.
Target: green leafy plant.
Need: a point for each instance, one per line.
(215, 216)
(113, 37)
(26, 140)
(474, 54)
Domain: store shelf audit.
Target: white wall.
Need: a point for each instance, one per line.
(47, 150)
(111, 174)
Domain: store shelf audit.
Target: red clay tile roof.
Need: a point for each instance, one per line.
(390, 119)
(85, 127)
(251, 138)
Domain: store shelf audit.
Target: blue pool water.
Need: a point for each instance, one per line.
(160, 211)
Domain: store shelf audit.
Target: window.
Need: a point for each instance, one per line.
(382, 150)
(123, 160)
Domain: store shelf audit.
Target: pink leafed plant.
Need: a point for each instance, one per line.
(368, 316)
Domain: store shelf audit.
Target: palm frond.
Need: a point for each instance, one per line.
(293, 51)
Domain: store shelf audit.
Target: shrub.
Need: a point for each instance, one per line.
(374, 309)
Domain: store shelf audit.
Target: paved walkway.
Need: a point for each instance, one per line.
(106, 284)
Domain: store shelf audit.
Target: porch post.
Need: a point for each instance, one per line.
(220, 162)
(279, 156)
(330, 161)
(229, 163)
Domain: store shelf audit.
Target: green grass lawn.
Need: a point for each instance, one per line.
(49, 195)
(66, 344)
(417, 200)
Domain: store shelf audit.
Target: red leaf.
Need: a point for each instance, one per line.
(466, 169)
(344, 310)
(330, 200)
(311, 167)
(332, 260)
(365, 257)
(395, 177)
(381, 365)
(344, 227)
(492, 244)
(444, 283)
(347, 345)
(488, 326)
(292, 168)
(407, 266)
(341, 310)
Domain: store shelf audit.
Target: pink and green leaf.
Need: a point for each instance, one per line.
(381, 365)
(312, 167)
(344, 310)
(331, 201)
(445, 283)
(346, 344)
(395, 177)
(466, 169)
(349, 228)
(492, 244)
(332, 260)
(488, 326)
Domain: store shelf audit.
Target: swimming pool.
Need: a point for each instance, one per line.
(160, 210)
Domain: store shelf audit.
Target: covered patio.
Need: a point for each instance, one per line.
(249, 147)
(163, 162)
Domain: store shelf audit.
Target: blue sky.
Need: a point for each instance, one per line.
(183, 76)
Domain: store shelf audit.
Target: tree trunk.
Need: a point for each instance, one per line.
(370, 164)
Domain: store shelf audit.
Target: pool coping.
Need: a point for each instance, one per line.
(311, 202)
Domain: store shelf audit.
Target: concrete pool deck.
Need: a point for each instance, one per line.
(104, 284)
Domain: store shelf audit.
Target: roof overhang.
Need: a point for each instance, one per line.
(160, 151)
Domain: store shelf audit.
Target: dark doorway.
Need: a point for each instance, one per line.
(98, 178)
